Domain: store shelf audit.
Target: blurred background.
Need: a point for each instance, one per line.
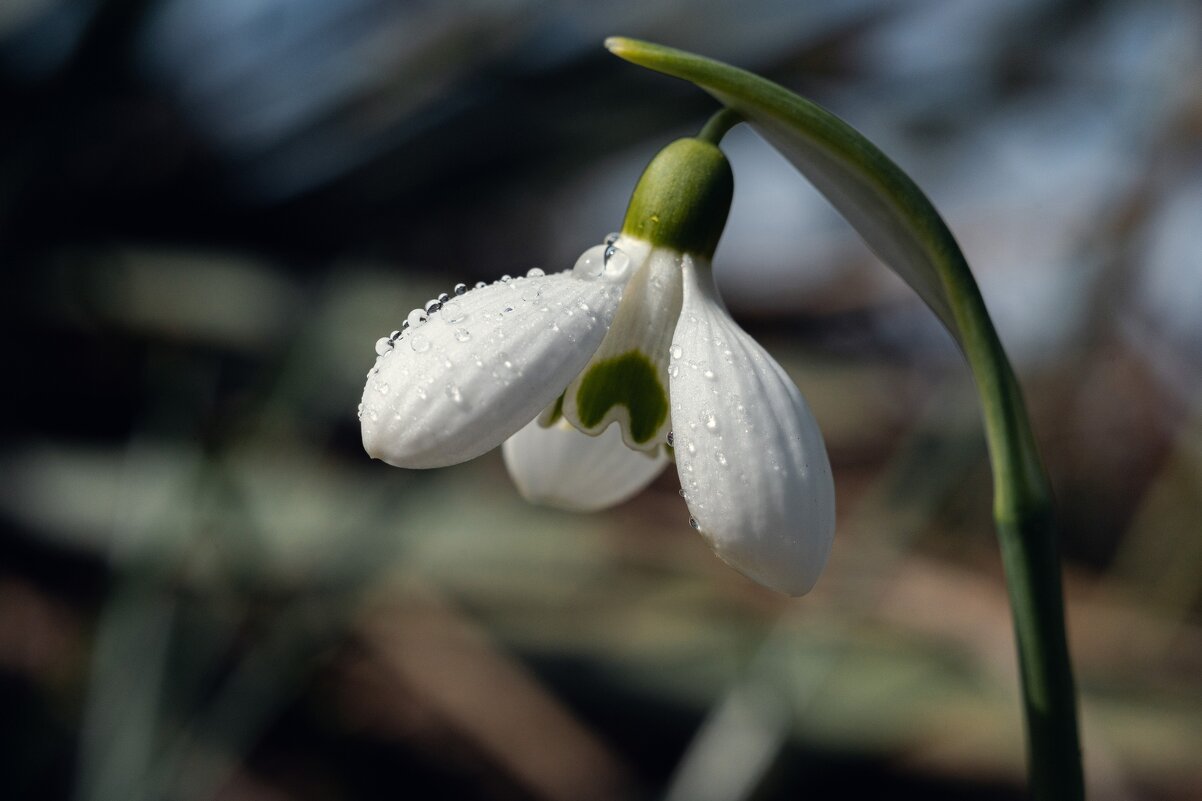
(210, 210)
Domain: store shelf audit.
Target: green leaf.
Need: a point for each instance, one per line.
(870, 191)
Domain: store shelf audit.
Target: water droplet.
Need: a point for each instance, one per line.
(507, 309)
(535, 272)
(443, 297)
(454, 393)
(589, 264)
(452, 312)
(359, 411)
(419, 343)
(373, 415)
(674, 371)
(720, 458)
(432, 306)
(709, 420)
(420, 392)
(480, 285)
(505, 279)
(394, 335)
(693, 522)
(532, 292)
(709, 374)
(462, 335)
(416, 317)
(382, 388)
(671, 438)
(583, 306)
(691, 448)
(676, 352)
(611, 238)
(617, 261)
(383, 345)
(460, 289)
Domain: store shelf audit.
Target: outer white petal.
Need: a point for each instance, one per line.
(482, 367)
(752, 463)
(560, 467)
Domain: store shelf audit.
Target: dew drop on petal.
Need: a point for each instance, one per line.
(710, 421)
(382, 388)
(589, 265)
(535, 272)
(460, 289)
(505, 279)
(454, 393)
(709, 374)
(419, 343)
(394, 335)
(532, 293)
(416, 317)
(617, 261)
(693, 522)
(671, 438)
(432, 306)
(452, 312)
(720, 458)
(611, 238)
(383, 345)
(676, 352)
(462, 335)
(480, 285)
(443, 297)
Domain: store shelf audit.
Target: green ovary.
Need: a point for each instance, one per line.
(630, 380)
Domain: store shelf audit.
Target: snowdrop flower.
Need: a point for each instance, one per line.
(594, 377)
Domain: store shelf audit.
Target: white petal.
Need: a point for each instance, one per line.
(482, 367)
(560, 467)
(750, 455)
(626, 381)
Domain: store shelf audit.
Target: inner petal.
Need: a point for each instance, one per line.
(559, 467)
(626, 380)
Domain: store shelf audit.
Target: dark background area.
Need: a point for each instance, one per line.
(210, 210)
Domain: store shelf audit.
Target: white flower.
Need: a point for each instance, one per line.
(634, 347)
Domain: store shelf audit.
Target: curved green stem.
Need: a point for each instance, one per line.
(717, 125)
(903, 228)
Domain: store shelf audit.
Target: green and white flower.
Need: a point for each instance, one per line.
(593, 377)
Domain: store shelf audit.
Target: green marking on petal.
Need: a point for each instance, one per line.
(551, 416)
(630, 380)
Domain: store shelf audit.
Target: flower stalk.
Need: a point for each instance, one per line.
(902, 227)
